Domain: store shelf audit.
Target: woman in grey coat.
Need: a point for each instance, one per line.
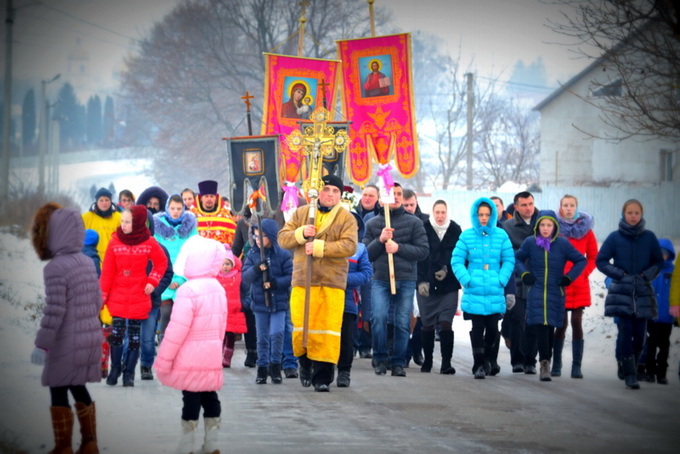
(68, 343)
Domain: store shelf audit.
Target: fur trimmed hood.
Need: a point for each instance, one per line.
(167, 232)
(576, 228)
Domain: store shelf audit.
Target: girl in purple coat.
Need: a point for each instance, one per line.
(68, 343)
(190, 356)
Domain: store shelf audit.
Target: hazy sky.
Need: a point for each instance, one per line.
(493, 33)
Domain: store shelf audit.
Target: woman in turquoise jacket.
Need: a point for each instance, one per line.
(483, 262)
(173, 227)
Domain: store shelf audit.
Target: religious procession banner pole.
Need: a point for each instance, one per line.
(255, 207)
(317, 141)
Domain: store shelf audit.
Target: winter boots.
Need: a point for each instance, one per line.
(251, 358)
(343, 379)
(212, 431)
(478, 357)
(577, 355)
(116, 360)
(556, 370)
(446, 346)
(186, 442)
(130, 366)
(275, 373)
(630, 373)
(261, 378)
(428, 351)
(62, 425)
(87, 418)
(545, 370)
(228, 350)
(491, 366)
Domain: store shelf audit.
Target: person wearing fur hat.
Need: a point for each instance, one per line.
(104, 218)
(126, 287)
(173, 227)
(154, 198)
(540, 262)
(329, 241)
(213, 217)
(576, 226)
(632, 258)
(68, 343)
(230, 279)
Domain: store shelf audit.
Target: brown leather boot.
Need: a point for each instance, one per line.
(87, 417)
(62, 424)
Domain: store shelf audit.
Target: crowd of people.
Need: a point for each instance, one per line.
(310, 290)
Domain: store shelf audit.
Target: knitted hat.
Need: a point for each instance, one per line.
(333, 180)
(230, 254)
(207, 187)
(103, 192)
(91, 238)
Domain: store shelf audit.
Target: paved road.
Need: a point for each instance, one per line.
(378, 414)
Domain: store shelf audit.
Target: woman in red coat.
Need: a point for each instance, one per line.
(230, 279)
(126, 287)
(577, 227)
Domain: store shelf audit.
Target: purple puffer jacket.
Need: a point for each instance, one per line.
(70, 330)
(190, 356)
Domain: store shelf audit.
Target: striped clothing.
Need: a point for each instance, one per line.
(218, 225)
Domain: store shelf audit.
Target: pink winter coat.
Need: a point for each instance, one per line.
(190, 356)
(231, 281)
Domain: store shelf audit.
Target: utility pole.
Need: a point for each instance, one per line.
(42, 143)
(7, 107)
(470, 134)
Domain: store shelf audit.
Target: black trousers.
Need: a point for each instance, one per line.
(347, 342)
(193, 401)
(59, 395)
(322, 373)
(658, 346)
(539, 338)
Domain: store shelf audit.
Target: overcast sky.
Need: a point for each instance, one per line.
(495, 34)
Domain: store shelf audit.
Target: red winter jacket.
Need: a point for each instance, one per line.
(578, 293)
(124, 277)
(236, 320)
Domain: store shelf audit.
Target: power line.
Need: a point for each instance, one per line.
(85, 21)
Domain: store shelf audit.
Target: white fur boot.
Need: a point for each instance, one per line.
(212, 431)
(186, 443)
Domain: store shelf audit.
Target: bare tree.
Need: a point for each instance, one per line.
(508, 145)
(639, 41)
(191, 71)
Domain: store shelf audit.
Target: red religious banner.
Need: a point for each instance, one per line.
(294, 87)
(377, 97)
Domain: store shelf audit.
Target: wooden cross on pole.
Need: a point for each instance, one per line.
(317, 142)
(247, 99)
(323, 84)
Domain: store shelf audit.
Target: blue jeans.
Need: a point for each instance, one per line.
(289, 359)
(270, 327)
(149, 338)
(401, 305)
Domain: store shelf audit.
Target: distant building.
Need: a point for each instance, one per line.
(572, 152)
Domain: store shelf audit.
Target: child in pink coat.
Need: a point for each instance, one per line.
(190, 356)
(230, 278)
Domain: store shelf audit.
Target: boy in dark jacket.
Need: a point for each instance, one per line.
(271, 276)
(540, 262)
(659, 329)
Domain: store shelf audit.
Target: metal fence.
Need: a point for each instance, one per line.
(661, 205)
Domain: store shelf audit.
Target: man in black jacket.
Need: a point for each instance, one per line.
(407, 242)
(518, 229)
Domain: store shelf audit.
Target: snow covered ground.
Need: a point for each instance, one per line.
(148, 415)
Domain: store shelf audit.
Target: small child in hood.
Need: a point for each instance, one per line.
(659, 329)
(230, 279)
(269, 283)
(540, 261)
(189, 356)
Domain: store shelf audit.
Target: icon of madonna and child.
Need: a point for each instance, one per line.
(298, 101)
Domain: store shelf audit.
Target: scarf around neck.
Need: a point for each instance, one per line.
(543, 242)
(440, 230)
(632, 230)
(105, 214)
(140, 232)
